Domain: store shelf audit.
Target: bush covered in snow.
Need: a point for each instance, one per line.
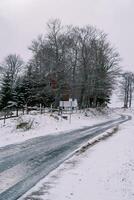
(24, 124)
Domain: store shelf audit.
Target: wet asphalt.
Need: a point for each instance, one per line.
(23, 165)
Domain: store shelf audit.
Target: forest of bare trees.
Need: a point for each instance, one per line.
(67, 62)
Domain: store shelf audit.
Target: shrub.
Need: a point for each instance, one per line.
(24, 124)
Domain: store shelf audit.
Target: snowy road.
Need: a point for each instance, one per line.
(23, 165)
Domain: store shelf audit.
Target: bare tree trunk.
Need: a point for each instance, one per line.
(130, 96)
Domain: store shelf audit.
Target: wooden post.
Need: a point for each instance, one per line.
(40, 108)
(4, 117)
(70, 118)
(23, 109)
(70, 112)
(26, 108)
(51, 109)
(16, 112)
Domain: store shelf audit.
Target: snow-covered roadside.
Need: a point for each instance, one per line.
(45, 124)
(104, 172)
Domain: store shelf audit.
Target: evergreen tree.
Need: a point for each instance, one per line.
(6, 91)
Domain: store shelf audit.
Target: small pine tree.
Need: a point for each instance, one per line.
(6, 91)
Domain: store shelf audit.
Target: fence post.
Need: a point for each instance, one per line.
(4, 118)
(51, 109)
(40, 108)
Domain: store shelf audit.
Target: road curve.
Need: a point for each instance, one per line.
(23, 165)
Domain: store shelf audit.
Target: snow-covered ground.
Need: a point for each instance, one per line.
(45, 124)
(104, 172)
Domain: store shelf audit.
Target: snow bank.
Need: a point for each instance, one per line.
(45, 124)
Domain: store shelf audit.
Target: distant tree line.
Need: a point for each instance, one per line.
(67, 62)
(127, 89)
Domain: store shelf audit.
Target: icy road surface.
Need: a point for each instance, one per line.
(23, 165)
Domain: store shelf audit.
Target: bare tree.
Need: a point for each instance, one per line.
(13, 64)
(80, 60)
(127, 87)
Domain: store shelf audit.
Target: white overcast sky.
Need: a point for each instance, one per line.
(23, 20)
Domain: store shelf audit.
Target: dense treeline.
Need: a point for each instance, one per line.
(127, 88)
(67, 62)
